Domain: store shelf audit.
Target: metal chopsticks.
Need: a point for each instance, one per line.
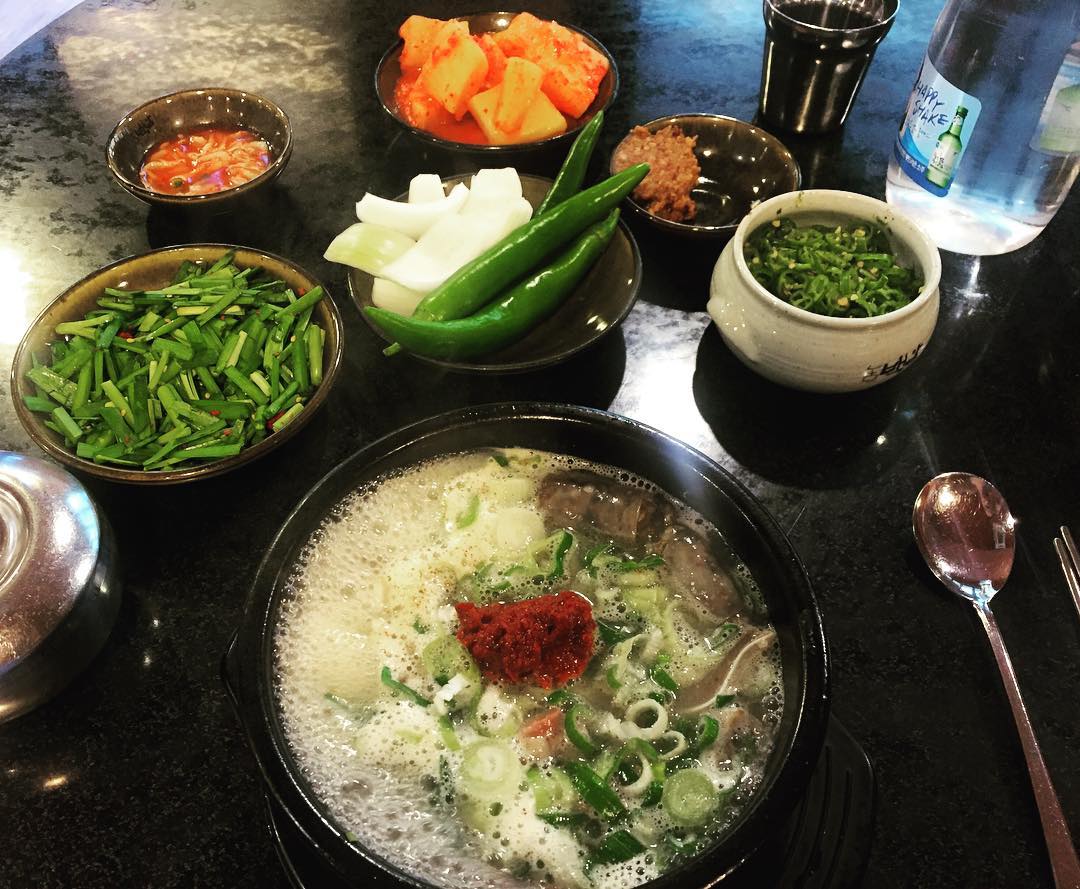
(1069, 557)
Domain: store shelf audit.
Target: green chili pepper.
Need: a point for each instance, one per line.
(480, 281)
(572, 173)
(508, 318)
(846, 271)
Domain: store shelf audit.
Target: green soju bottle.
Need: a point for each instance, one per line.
(947, 150)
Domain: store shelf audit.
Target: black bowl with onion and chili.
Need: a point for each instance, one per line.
(249, 665)
(223, 143)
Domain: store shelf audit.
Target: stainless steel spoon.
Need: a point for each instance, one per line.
(965, 532)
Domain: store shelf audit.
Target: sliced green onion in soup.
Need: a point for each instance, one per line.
(689, 797)
(490, 770)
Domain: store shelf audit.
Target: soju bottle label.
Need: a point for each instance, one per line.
(936, 129)
(1058, 131)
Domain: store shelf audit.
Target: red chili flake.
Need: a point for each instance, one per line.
(215, 412)
(545, 641)
(300, 291)
(226, 432)
(270, 423)
(125, 334)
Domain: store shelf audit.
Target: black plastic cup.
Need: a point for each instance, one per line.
(816, 55)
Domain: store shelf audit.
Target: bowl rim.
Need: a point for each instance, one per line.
(148, 194)
(249, 657)
(917, 240)
(60, 453)
(516, 367)
(690, 227)
(393, 53)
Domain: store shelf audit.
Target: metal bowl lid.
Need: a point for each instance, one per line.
(50, 538)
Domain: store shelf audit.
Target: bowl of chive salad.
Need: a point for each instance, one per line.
(826, 291)
(177, 364)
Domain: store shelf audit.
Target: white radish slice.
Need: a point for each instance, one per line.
(410, 219)
(449, 244)
(426, 187)
(387, 294)
(493, 188)
(518, 213)
(368, 247)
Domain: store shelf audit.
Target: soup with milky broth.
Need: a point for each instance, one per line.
(502, 667)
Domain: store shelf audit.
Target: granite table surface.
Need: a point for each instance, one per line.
(137, 774)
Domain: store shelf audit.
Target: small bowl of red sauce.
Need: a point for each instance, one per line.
(199, 147)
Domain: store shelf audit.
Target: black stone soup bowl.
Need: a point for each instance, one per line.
(687, 475)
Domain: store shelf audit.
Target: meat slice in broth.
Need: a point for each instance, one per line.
(625, 514)
(693, 568)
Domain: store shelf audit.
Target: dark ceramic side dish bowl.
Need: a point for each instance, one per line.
(741, 166)
(684, 473)
(144, 272)
(168, 116)
(596, 307)
(388, 72)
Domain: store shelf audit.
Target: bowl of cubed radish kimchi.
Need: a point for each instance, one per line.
(498, 82)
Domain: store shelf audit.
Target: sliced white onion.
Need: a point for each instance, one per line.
(410, 219)
(368, 247)
(649, 732)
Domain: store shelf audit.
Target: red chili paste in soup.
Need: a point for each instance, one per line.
(205, 161)
(545, 641)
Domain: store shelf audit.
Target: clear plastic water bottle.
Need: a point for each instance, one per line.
(990, 141)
